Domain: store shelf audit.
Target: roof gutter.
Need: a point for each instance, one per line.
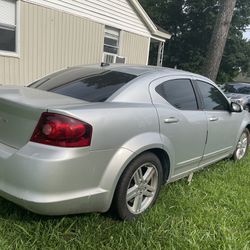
(150, 24)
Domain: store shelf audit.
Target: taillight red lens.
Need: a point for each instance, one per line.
(62, 131)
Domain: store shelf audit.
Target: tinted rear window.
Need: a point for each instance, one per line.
(179, 93)
(88, 84)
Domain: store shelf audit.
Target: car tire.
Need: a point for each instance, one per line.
(242, 146)
(138, 187)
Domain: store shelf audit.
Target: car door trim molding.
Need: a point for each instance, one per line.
(207, 156)
(188, 162)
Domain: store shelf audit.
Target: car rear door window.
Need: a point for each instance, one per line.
(212, 97)
(179, 93)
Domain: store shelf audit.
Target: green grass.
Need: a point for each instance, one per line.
(211, 213)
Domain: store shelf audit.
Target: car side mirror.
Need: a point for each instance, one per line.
(236, 107)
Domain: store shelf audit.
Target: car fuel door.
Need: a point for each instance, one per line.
(183, 127)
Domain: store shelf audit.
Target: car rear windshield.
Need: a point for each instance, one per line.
(88, 84)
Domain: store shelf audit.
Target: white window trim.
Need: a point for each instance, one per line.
(110, 28)
(148, 50)
(110, 31)
(15, 54)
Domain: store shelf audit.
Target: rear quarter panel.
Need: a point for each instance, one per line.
(126, 129)
(118, 125)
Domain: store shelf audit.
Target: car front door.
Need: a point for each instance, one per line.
(183, 127)
(223, 125)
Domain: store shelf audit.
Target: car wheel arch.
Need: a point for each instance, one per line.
(165, 161)
(157, 150)
(243, 127)
(161, 154)
(248, 127)
(242, 146)
(143, 174)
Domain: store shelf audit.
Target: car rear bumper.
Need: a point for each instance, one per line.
(94, 201)
(55, 181)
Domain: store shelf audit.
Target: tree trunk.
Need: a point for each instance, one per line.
(218, 39)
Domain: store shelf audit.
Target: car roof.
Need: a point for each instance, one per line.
(136, 70)
(139, 70)
(133, 79)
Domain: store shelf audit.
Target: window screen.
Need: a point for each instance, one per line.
(111, 44)
(111, 40)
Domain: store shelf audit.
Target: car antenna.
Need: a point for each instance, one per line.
(103, 64)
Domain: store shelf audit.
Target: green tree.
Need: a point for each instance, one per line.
(191, 23)
(218, 39)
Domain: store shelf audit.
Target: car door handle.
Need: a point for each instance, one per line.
(213, 119)
(171, 120)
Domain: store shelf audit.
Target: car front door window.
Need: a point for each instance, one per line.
(212, 97)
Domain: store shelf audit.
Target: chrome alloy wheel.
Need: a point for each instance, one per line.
(142, 188)
(242, 146)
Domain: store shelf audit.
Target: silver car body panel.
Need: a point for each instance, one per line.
(176, 132)
(53, 180)
(20, 110)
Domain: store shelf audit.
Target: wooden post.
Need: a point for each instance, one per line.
(160, 53)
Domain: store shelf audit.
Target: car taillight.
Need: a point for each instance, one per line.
(62, 131)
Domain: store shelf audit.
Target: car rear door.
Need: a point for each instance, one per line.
(223, 125)
(183, 127)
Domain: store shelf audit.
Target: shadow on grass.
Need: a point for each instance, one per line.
(11, 211)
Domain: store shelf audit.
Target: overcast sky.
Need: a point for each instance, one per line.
(247, 34)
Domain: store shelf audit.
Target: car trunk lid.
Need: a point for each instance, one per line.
(20, 110)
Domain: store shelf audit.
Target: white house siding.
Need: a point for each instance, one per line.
(51, 39)
(116, 13)
(135, 48)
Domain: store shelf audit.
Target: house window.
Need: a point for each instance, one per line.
(8, 25)
(111, 44)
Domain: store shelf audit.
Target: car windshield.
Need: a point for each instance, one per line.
(88, 84)
(237, 88)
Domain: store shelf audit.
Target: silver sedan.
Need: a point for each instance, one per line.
(91, 137)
